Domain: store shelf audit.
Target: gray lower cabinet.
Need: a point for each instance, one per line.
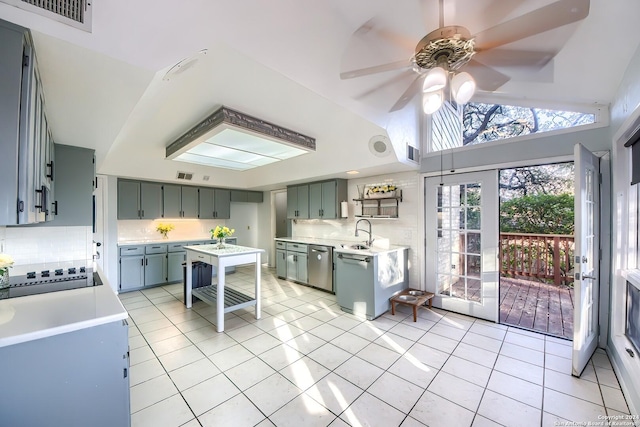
(281, 263)
(155, 269)
(176, 256)
(131, 272)
(297, 263)
(82, 381)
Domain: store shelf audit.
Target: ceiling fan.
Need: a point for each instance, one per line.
(450, 58)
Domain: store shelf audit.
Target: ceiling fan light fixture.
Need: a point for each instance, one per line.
(435, 80)
(432, 101)
(463, 86)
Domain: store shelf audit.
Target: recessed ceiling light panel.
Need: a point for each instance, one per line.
(233, 140)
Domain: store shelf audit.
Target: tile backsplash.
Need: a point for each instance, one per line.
(28, 245)
(187, 229)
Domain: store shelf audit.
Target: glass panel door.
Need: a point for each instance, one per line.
(586, 285)
(461, 225)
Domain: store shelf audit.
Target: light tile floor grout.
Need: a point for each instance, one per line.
(309, 387)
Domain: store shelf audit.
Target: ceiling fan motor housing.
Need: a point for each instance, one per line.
(451, 46)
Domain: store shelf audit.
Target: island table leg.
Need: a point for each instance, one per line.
(258, 285)
(220, 297)
(189, 282)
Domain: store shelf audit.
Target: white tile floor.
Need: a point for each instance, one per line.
(307, 363)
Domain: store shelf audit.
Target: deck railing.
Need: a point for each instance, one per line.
(543, 256)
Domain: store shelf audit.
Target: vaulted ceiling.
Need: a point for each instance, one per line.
(281, 61)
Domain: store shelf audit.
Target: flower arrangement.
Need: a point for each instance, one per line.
(164, 229)
(221, 232)
(6, 261)
(381, 191)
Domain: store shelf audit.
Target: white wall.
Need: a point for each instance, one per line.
(625, 114)
(244, 219)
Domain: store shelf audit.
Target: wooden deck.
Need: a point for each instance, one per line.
(540, 307)
(529, 304)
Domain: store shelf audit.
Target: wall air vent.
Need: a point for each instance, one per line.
(76, 13)
(186, 176)
(413, 154)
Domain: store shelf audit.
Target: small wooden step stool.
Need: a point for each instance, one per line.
(419, 301)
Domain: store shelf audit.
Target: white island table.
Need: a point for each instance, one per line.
(224, 299)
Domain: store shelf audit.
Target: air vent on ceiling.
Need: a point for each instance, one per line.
(76, 13)
(413, 154)
(205, 178)
(187, 176)
(380, 146)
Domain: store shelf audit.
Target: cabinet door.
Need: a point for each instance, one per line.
(329, 200)
(303, 201)
(171, 196)
(150, 200)
(189, 202)
(292, 266)
(128, 199)
(315, 200)
(239, 196)
(281, 263)
(292, 202)
(174, 266)
(155, 269)
(205, 205)
(301, 265)
(255, 196)
(222, 203)
(131, 272)
(74, 179)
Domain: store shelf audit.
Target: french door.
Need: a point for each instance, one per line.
(461, 228)
(587, 244)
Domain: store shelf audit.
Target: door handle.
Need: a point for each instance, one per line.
(578, 276)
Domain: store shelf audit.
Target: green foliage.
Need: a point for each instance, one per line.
(538, 214)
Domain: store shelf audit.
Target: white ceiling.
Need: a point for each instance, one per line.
(280, 61)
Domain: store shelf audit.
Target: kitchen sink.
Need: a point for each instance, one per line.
(360, 247)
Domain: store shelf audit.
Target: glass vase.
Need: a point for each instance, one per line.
(4, 279)
(221, 243)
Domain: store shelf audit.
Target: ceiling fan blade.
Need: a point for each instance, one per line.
(546, 18)
(414, 87)
(487, 78)
(515, 58)
(405, 75)
(374, 70)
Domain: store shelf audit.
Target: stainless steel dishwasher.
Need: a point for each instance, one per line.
(320, 265)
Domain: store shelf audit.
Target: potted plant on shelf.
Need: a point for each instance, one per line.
(221, 233)
(164, 229)
(381, 191)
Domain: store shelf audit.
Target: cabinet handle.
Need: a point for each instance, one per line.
(50, 174)
(155, 247)
(142, 262)
(55, 207)
(146, 261)
(143, 213)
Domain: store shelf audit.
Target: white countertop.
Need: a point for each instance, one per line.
(343, 245)
(160, 240)
(33, 317)
(228, 250)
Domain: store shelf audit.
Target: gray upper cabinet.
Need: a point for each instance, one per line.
(298, 201)
(150, 200)
(172, 206)
(215, 203)
(128, 199)
(325, 198)
(139, 200)
(74, 181)
(247, 196)
(222, 203)
(25, 137)
(189, 202)
(180, 201)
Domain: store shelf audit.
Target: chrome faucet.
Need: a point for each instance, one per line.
(370, 241)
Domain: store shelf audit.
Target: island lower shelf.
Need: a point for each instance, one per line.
(233, 299)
